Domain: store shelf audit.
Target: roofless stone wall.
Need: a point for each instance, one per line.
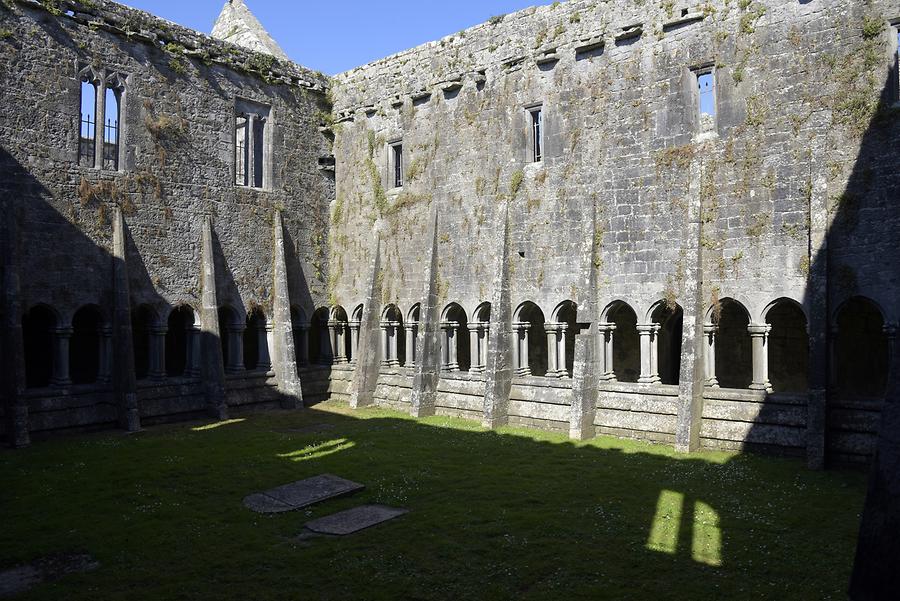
(753, 197)
(703, 267)
(181, 90)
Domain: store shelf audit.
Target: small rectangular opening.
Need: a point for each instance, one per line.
(397, 164)
(705, 89)
(536, 116)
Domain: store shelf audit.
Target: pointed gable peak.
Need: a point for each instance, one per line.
(236, 24)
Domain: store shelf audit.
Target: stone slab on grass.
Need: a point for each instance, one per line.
(354, 520)
(46, 569)
(302, 493)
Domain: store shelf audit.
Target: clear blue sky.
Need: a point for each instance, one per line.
(337, 35)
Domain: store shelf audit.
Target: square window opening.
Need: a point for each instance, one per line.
(536, 141)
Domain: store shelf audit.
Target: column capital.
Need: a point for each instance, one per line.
(645, 329)
(64, 332)
(409, 327)
(552, 327)
(159, 330)
(710, 328)
(355, 324)
(303, 326)
(756, 330)
(606, 326)
(269, 327)
(449, 325)
(105, 331)
(519, 326)
(236, 328)
(890, 330)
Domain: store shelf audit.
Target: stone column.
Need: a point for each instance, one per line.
(645, 331)
(263, 337)
(394, 342)
(61, 339)
(709, 355)
(474, 353)
(326, 350)
(607, 330)
(484, 339)
(157, 357)
(235, 333)
(385, 344)
(552, 332)
(340, 345)
(104, 374)
(193, 369)
(759, 334)
(250, 167)
(410, 345)
(302, 333)
(516, 349)
(561, 368)
(354, 341)
(452, 346)
(654, 354)
(520, 339)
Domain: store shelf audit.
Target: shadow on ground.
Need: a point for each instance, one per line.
(493, 514)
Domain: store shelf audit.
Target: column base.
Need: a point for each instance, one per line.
(711, 383)
(523, 371)
(761, 386)
(476, 370)
(60, 383)
(646, 380)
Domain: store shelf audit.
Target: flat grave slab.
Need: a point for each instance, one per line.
(302, 493)
(354, 520)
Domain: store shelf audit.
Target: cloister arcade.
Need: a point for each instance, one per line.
(768, 353)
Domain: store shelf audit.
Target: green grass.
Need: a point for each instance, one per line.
(514, 514)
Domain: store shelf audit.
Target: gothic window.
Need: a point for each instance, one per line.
(100, 127)
(251, 144)
(111, 130)
(88, 123)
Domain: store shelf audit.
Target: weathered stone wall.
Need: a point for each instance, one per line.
(797, 87)
(178, 168)
(788, 197)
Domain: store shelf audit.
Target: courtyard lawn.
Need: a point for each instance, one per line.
(513, 514)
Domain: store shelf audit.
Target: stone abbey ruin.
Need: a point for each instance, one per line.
(673, 221)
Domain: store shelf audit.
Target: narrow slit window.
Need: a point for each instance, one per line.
(537, 140)
(111, 130)
(706, 100)
(397, 164)
(88, 124)
(707, 95)
(240, 150)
